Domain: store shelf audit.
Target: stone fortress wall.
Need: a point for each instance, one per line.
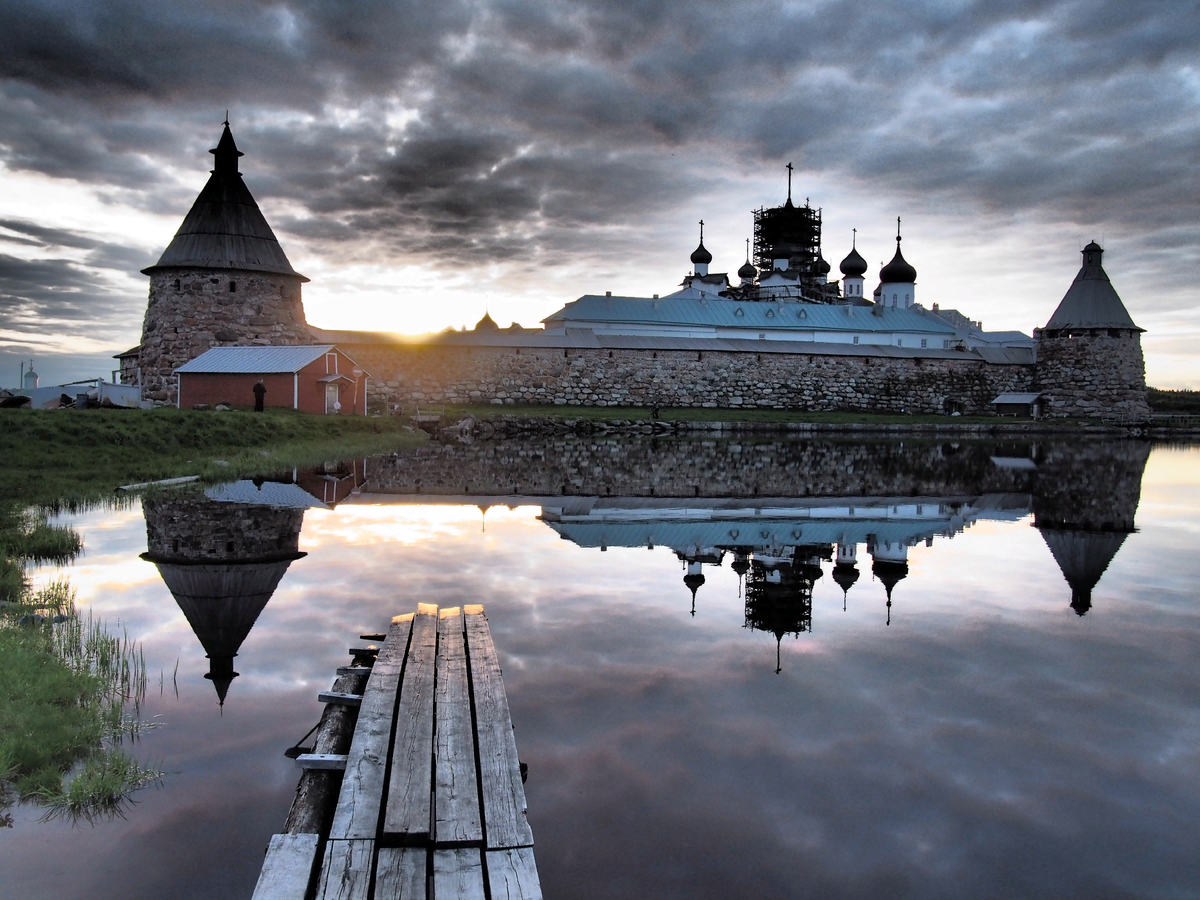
(422, 374)
(1108, 472)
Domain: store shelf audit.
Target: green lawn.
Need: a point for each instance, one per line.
(55, 456)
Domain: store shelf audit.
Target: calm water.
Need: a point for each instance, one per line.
(783, 733)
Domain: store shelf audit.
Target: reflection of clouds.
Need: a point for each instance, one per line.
(987, 743)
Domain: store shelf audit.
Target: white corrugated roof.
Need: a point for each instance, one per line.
(269, 493)
(256, 360)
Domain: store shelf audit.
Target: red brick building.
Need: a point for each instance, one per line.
(316, 379)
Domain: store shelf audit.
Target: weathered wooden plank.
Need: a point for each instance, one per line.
(374, 636)
(364, 651)
(504, 809)
(343, 697)
(346, 870)
(512, 874)
(458, 874)
(354, 670)
(408, 798)
(287, 869)
(321, 760)
(456, 791)
(358, 808)
(400, 874)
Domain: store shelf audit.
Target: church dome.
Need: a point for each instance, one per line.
(700, 255)
(853, 266)
(487, 323)
(898, 271)
(822, 266)
(747, 272)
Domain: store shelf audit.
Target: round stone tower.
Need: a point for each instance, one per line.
(224, 279)
(1089, 355)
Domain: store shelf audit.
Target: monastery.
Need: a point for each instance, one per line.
(785, 336)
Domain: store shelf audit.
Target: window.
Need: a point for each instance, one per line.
(856, 339)
(899, 342)
(233, 287)
(946, 344)
(924, 343)
(176, 284)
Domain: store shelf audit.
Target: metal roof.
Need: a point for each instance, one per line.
(269, 493)
(225, 229)
(1091, 301)
(255, 360)
(743, 314)
(1016, 398)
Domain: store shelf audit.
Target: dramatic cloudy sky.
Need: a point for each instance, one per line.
(423, 162)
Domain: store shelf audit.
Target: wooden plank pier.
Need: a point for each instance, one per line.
(421, 757)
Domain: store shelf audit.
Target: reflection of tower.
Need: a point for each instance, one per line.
(845, 570)
(740, 565)
(695, 558)
(779, 595)
(1084, 504)
(221, 562)
(889, 565)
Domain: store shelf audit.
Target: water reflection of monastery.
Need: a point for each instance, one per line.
(222, 553)
(778, 546)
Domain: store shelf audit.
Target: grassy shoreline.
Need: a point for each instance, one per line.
(66, 456)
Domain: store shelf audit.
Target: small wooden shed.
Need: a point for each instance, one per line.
(1021, 405)
(314, 378)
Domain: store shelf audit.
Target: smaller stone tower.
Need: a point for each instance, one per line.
(223, 279)
(1089, 355)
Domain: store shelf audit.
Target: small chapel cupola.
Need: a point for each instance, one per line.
(853, 268)
(897, 280)
(748, 273)
(700, 256)
(487, 323)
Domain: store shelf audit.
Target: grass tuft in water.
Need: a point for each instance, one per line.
(70, 696)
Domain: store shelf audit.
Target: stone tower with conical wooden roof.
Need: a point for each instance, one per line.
(223, 279)
(1089, 355)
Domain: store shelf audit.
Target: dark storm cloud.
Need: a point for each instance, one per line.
(62, 296)
(458, 132)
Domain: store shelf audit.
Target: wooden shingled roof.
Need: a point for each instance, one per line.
(225, 229)
(1091, 301)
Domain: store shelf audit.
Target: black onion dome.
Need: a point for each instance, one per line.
(898, 271)
(853, 266)
(700, 255)
(822, 266)
(747, 272)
